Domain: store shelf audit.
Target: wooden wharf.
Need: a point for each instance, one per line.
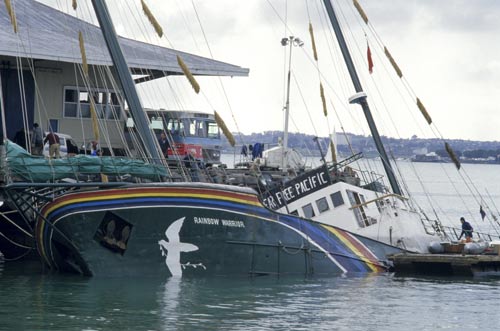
(446, 264)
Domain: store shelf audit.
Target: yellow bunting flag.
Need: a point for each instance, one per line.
(152, 19)
(424, 112)
(224, 129)
(85, 65)
(188, 74)
(360, 11)
(452, 155)
(334, 154)
(12, 15)
(323, 101)
(394, 64)
(313, 43)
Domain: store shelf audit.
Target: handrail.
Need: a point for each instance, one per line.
(456, 232)
(379, 198)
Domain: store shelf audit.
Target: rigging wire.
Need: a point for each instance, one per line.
(470, 185)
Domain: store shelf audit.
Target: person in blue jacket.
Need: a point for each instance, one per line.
(466, 230)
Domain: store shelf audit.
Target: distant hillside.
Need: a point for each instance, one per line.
(399, 148)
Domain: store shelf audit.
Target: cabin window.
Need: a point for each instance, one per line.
(322, 205)
(200, 129)
(100, 102)
(77, 103)
(175, 126)
(84, 104)
(197, 128)
(363, 200)
(113, 111)
(358, 209)
(308, 211)
(337, 199)
(213, 130)
(294, 212)
(192, 127)
(157, 123)
(70, 103)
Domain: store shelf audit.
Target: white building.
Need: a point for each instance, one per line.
(50, 89)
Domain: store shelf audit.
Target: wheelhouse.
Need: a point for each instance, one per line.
(188, 132)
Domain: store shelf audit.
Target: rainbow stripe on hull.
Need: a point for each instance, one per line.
(71, 220)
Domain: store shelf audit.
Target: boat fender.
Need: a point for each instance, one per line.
(474, 248)
(435, 247)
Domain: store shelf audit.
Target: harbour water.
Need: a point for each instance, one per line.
(34, 300)
(370, 302)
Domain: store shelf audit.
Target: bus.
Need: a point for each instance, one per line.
(188, 131)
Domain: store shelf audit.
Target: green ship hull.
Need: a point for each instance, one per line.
(194, 230)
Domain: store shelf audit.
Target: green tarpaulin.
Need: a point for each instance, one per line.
(23, 166)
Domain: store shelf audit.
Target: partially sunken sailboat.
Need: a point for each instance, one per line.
(116, 217)
(357, 200)
(334, 193)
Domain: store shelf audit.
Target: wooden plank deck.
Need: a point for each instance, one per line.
(446, 264)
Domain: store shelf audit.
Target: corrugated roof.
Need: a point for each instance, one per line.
(48, 34)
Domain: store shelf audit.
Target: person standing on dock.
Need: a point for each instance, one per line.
(37, 140)
(164, 145)
(466, 230)
(54, 147)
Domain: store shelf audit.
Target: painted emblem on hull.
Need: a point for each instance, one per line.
(172, 249)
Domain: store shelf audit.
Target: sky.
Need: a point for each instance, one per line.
(447, 50)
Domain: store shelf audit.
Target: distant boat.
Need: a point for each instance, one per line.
(430, 157)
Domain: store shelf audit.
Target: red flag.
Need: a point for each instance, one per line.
(370, 61)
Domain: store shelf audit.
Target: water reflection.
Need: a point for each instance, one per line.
(369, 302)
(169, 301)
(256, 304)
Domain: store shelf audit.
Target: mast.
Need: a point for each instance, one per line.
(126, 82)
(3, 134)
(360, 97)
(292, 41)
(284, 152)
